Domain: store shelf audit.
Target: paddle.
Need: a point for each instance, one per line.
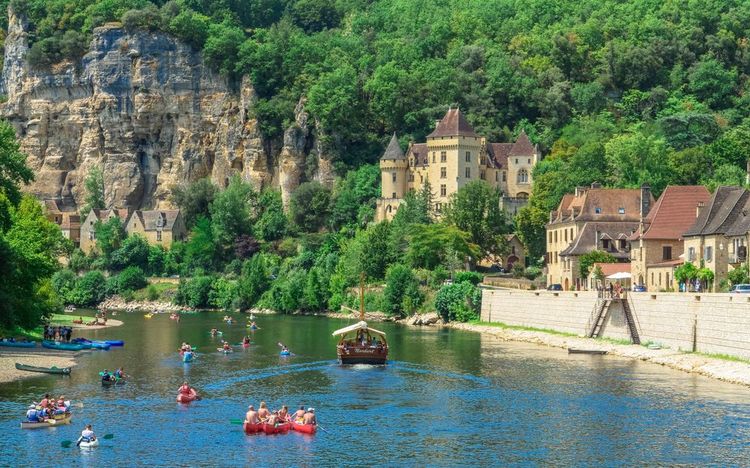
(236, 421)
(322, 429)
(68, 443)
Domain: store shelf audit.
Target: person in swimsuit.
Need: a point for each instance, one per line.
(284, 414)
(310, 417)
(251, 416)
(263, 412)
(299, 415)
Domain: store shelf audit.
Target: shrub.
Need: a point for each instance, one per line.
(471, 276)
(194, 292)
(439, 275)
(223, 294)
(152, 292)
(78, 261)
(401, 295)
(89, 289)
(532, 272)
(64, 282)
(460, 302)
(130, 279)
(134, 251)
(736, 276)
(518, 270)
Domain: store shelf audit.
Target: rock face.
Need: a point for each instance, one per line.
(146, 110)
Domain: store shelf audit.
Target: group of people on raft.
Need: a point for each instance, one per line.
(265, 415)
(47, 409)
(115, 376)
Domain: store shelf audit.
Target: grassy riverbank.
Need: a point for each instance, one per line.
(37, 333)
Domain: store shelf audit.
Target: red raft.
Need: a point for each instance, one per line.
(282, 428)
(252, 428)
(304, 428)
(187, 397)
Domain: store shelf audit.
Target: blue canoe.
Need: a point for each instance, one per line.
(62, 346)
(285, 353)
(91, 344)
(187, 357)
(18, 344)
(115, 342)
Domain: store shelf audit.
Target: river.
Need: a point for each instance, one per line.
(446, 397)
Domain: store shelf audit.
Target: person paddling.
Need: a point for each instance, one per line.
(299, 415)
(251, 417)
(309, 417)
(284, 414)
(87, 435)
(263, 412)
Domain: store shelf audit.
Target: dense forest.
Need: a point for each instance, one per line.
(622, 93)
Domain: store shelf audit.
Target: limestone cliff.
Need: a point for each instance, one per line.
(145, 109)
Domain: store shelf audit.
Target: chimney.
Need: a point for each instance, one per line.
(645, 200)
(596, 185)
(437, 122)
(699, 208)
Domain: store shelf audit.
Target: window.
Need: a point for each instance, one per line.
(652, 277)
(438, 206)
(550, 237)
(529, 161)
(566, 235)
(666, 252)
(708, 253)
(468, 156)
(504, 178)
(433, 157)
(481, 175)
(516, 160)
(443, 190)
(691, 254)
(597, 210)
(571, 233)
(443, 173)
(393, 176)
(158, 236)
(621, 210)
(443, 156)
(555, 236)
(393, 195)
(468, 173)
(623, 244)
(659, 278)
(523, 176)
(497, 177)
(605, 244)
(411, 177)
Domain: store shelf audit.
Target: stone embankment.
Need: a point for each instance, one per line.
(729, 371)
(116, 303)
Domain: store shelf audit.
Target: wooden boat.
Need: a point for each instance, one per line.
(359, 343)
(64, 419)
(18, 344)
(586, 351)
(45, 370)
(62, 346)
(252, 428)
(282, 428)
(304, 428)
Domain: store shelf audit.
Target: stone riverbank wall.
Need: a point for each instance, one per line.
(707, 323)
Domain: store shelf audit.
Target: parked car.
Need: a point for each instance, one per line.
(740, 289)
(555, 287)
(639, 288)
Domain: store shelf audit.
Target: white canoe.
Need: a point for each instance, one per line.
(87, 445)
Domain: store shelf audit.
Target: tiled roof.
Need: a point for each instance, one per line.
(453, 124)
(674, 212)
(522, 146)
(149, 219)
(52, 206)
(70, 221)
(586, 240)
(608, 202)
(668, 263)
(716, 217)
(393, 151)
(499, 154)
(419, 151)
(612, 268)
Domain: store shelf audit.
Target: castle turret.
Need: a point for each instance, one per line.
(393, 170)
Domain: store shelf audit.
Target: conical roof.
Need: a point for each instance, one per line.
(453, 124)
(393, 151)
(522, 146)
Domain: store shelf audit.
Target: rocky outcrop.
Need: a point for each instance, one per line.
(144, 108)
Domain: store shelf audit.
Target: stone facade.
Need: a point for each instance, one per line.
(69, 221)
(158, 227)
(88, 234)
(454, 155)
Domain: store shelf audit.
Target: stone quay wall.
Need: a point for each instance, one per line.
(702, 322)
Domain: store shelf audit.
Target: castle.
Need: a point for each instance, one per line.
(453, 156)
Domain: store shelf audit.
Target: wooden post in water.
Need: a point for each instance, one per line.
(362, 296)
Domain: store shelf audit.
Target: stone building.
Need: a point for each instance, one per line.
(69, 221)
(88, 235)
(657, 247)
(718, 239)
(592, 219)
(454, 155)
(159, 227)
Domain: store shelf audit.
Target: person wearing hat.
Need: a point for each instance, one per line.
(32, 415)
(251, 417)
(309, 417)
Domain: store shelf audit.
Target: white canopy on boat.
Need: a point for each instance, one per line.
(357, 326)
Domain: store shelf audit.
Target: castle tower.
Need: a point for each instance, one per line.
(394, 169)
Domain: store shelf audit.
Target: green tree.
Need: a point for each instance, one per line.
(109, 237)
(636, 159)
(475, 209)
(401, 295)
(686, 274)
(94, 186)
(354, 198)
(223, 294)
(587, 260)
(194, 200)
(739, 275)
(134, 251)
(89, 290)
(230, 215)
(459, 302)
(253, 282)
(200, 249)
(712, 83)
(309, 206)
(131, 279)
(430, 245)
(272, 222)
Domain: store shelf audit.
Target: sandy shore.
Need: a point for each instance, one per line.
(728, 371)
(41, 357)
(78, 326)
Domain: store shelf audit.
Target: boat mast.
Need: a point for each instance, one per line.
(362, 296)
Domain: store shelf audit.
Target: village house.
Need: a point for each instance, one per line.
(595, 281)
(592, 219)
(718, 239)
(159, 227)
(68, 221)
(454, 155)
(657, 246)
(88, 235)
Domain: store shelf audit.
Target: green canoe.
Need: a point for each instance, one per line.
(46, 370)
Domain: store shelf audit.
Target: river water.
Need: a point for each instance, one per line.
(446, 397)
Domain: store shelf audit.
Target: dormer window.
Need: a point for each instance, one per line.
(621, 210)
(597, 210)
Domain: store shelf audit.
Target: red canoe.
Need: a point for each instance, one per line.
(304, 428)
(279, 429)
(187, 398)
(252, 428)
